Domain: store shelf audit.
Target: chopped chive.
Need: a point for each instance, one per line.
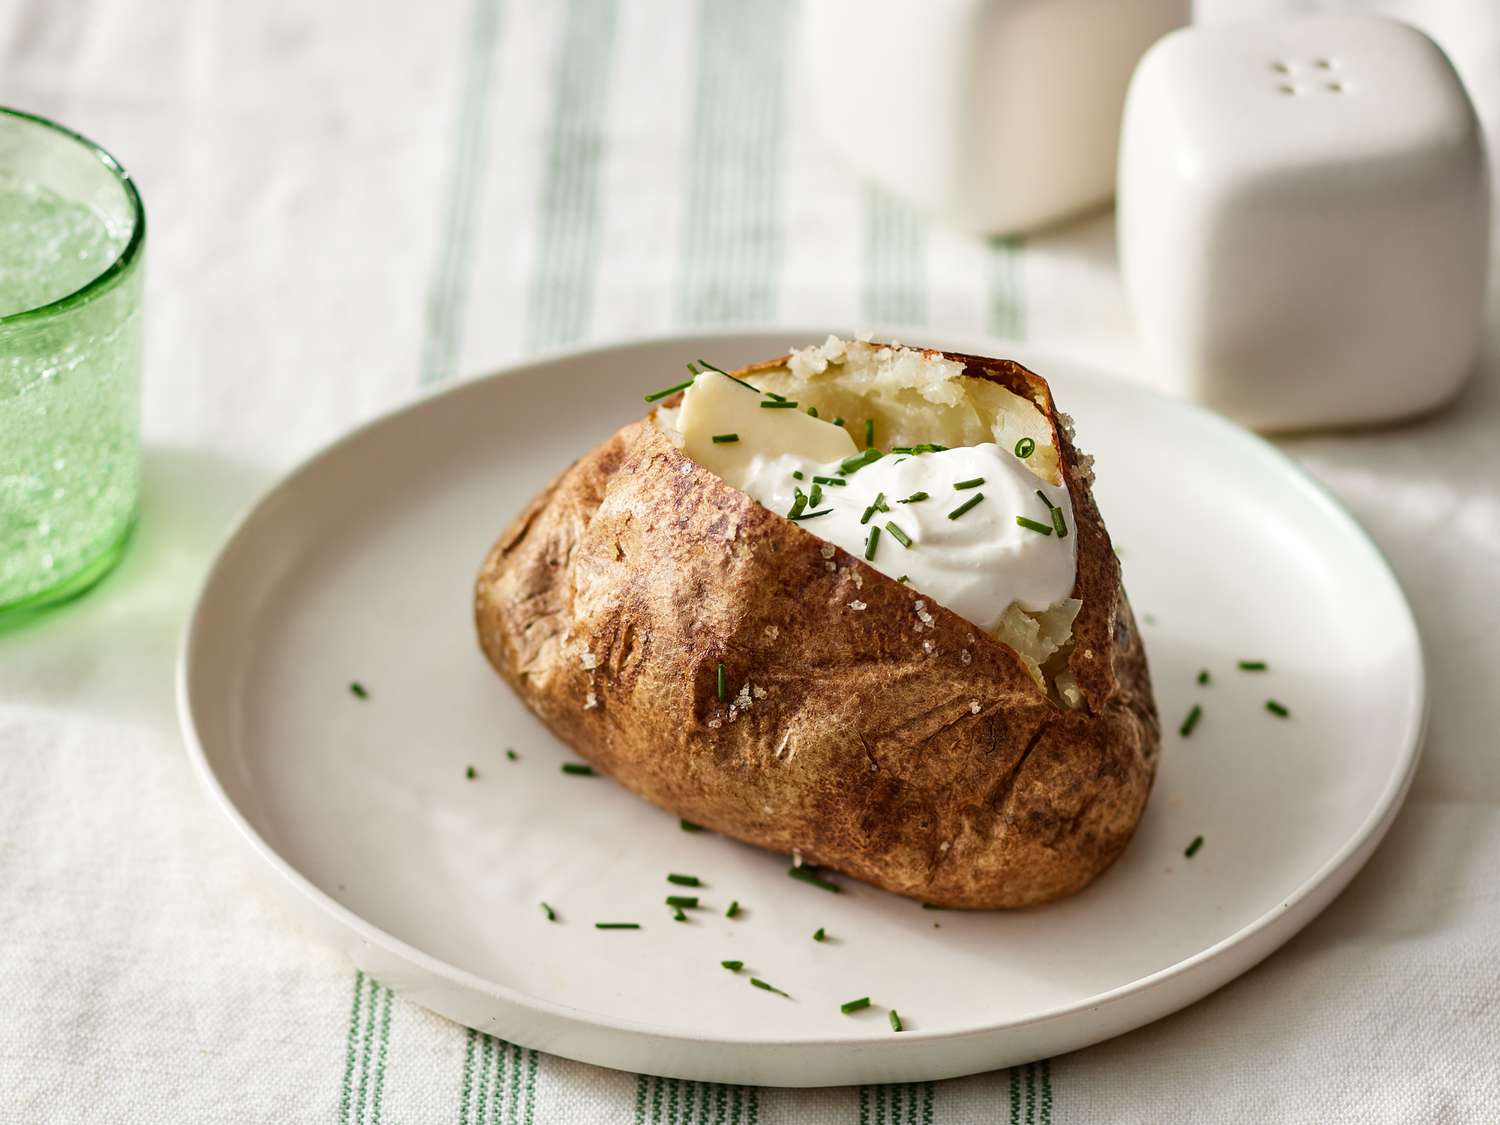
(358, 689)
(733, 966)
(813, 515)
(1192, 849)
(768, 987)
(1277, 708)
(1203, 676)
(812, 411)
(851, 465)
(617, 925)
(933, 906)
(809, 875)
(470, 772)
(814, 495)
(1042, 496)
(1058, 525)
(578, 769)
(880, 503)
(678, 915)
(665, 391)
(913, 498)
(1025, 448)
(869, 432)
(782, 405)
(512, 755)
(799, 502)
(703, 363)
(974, 483)
(966, 505)
(838, 421)
(774, 395)
(901, 449)
(1033, 525)
(693, 370)
(820, 934)
(854, 1005)
(904, 578)
(837, 482)
(896, 1021)
(797, 475)
(725, 439)
(684, 880)
(720, 688)
(549, 912)
(681, 901)
(898, 535)
(689, 826)
(1191, 721)
(929, 447)
(1253, 666)
(734, 908)
(871, 542)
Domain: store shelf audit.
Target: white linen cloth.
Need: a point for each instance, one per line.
(347, 201)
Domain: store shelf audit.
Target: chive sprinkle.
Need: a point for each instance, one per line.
(837, 482)
(470, 772)
(768, 987)
(1192, 849)
(733, 966)
(703, 363)
(773, 405)
(812, 411)
(578, 769)
(975, 483)
(684, 880)
(871, 542)
(933, 906)
(358, 689)
(773, 394)
(799, 502)
(898, 535)
(1025, 448)
(869, 432)
(678, 915)
(725, 439)
(854, 1005)
(1203, 676)
(1253, 666)
(904, 578)
(720, 688)
(880, 503)
(1277, 708)
(814, 495)
(681, 901)
(797, 475)
(689, 826)
(513, 756)
(913, 498)
(966, 505)
(929, 447)
(896, 1021)
(809, 875)
(549, 912)
(820, 934)
(665, 391)
(813, 515)
(1191, 721)
(1033, 525)
(1042, 496)
(838, 421)
(851, 465)
(734, 908)
(617, 925)
(1058, 525)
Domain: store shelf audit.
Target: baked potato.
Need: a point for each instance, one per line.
(737, 666)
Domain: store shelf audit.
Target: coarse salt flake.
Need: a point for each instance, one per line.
(590, 701)
(857, 604)
(588, 660)
(974, 706)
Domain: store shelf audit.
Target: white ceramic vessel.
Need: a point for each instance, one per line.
(1303, 220)
(360, 564)
(997, 115)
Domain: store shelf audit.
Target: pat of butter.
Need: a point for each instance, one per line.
(715, 405)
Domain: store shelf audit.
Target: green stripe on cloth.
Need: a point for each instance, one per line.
(561, 300)
(447, 290)
(895, 261)
(732, 244)
(498, 1084)
(366, 1045)
(1005, 306)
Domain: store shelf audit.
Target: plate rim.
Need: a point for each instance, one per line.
(1336, 871)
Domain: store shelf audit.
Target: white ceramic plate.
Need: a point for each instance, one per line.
(359, 567)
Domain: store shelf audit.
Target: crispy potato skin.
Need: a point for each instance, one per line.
(945, 775)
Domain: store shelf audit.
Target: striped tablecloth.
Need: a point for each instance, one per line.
(350, 201)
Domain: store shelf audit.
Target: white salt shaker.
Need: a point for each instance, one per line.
(997, 115)
(1303, 220)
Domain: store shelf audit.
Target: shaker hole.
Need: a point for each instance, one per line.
(1281, 68)
(1323, 64)
(1335, 87)
(1288, 88)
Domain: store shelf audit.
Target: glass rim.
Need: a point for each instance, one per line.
(122, 261)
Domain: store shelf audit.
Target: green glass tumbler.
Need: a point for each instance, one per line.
(72, 247)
